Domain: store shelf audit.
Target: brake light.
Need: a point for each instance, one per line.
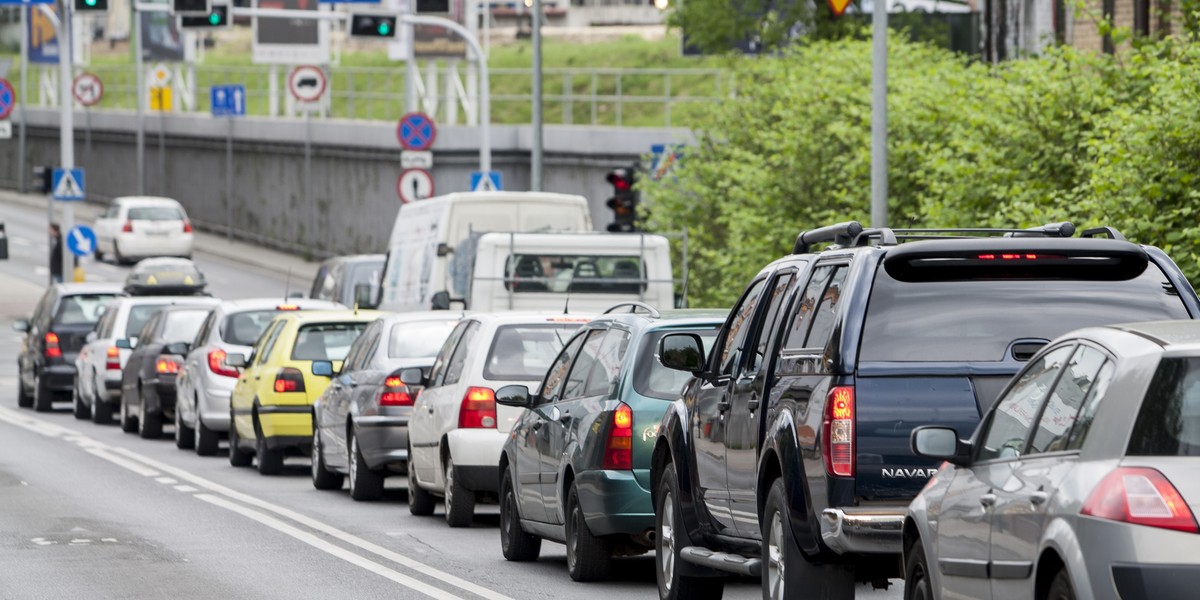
(216, 364)
(166, 365)
(395, 393)
(478, 410)
(1140, 496)
(112, 359)
(52, 348)
(128, 228)
(837, 437)
(618, 451)
(289, 379)
(187, 226)
(287, 307)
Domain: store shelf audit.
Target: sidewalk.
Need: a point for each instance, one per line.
(205, 243)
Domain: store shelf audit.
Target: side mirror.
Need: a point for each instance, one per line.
(682, 352)
(127, 343)
(21, 325)
(940, 443)
(514, 395)
(236, 360)
(91, 337)
(364, 295)
(322, 368)
(180, 348)
(412, 376)
(440, 301)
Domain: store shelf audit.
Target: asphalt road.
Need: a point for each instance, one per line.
(91, 512)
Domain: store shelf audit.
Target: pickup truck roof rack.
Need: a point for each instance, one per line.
(634, 307)
(852, 233)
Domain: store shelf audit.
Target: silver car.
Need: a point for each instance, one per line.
(1080, 482)
(204, 383)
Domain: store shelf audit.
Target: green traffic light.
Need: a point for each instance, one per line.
(90, 2)
(213, 18)
(384, 28)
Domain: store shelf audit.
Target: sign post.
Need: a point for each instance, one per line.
(228, 101)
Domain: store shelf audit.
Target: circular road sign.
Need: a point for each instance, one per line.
(307, 83)
(8, 98)
(413, 185)
(416, 131)
(87, 89)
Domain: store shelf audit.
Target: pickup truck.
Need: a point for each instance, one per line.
(787, 455)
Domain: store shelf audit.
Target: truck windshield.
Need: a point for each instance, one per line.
(574, 273)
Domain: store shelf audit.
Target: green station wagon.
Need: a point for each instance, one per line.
(576, 466)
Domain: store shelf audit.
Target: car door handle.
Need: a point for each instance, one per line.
(988, 500)
(723, 404)
(536, 426)
(566, 416)
(1038, 498)
(752, 403)
(429, 408)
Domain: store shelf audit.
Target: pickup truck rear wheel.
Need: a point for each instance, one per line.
(916, 574)
(786, 572)
(669, 539)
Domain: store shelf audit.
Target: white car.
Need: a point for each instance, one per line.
(136, 227)
(99, 364)
(205, 382)
(457, 430)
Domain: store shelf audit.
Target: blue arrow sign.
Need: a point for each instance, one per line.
(490, 183)
(67, 185)
(416, 131)
(228, 100)
(81, 240)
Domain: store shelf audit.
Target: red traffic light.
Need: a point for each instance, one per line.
(621, 179)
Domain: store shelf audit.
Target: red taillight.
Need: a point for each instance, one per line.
(128, 228)
(52, 348)
(1141, 496)
(395, 393)
(166, 365)
(478, 410)
(838, 435)
(288, 380)
(216, 364)
(187, 226)
(112, 359)
(618, 451)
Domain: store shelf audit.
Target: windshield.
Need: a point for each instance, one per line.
(155, 213)
(369, 273)
(978, 319)
(325, 341)
(1168, 423)
(82, 309)
(524, 352)
(418, 340)
(244, 328)
(654, 380)
(182, 325)
(581, 274)
(138, 315)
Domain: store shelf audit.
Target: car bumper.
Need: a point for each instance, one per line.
(214, 409)
(383, 440)
(286, 422)
(476, 447)
(57, 378)
(176, 244)
(1148, 582)
(863, 530)
(613, 502)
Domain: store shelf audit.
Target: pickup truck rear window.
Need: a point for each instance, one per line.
(974, 320)
(1168, 423)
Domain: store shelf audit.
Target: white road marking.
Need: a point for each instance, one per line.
(187, 489)
(121, 462)
(20, 241)
(166, 480)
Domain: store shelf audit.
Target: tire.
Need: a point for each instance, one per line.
(1060, 587)
(786, 572)
(185, 437)
(460, 502)
(516, 545)
(270, 462)
(78, 408)
(322, 477)
(150, 426)
(118, 259)
(588, 557)
(669, 539)
(102, 413)
(237, 456)
(129, 423)
(43, 399)
(917, 583)
(365, 485)
(206, 441)
(420, 502)
(99, 254)
(24, 398)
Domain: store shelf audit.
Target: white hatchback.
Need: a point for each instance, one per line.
(457, 430)
(136, 227)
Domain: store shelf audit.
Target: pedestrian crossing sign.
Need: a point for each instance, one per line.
(67, 184)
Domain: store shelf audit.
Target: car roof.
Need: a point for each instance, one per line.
(233, 306)
(140, 300)
(330, 316)
(77, 289)
(356, 258)
(529, 317)
(1169, 334)
(145, 201)
(667, 318)
(416, 317)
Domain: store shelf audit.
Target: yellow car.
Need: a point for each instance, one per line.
(291, 365)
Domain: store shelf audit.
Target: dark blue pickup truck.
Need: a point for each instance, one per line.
(787, 456)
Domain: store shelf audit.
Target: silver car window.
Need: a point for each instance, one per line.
(1015, 412)
(1068, 397)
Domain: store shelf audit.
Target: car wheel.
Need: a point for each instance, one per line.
(420, 501)
(516, 545)
(43, 399)
(787, 571)
(150, 425)
(365, 484)
(129, 423)
(669, 539)
(460, 502)
(322, 477)
(205, 440)
(917, 585)
(237, 456)
(270, 462)
(24, 398)
(588, 556)
(102, 412)
(78, 408)
(1060, 588)
(99, 254)
(185, 437)
(118, 259)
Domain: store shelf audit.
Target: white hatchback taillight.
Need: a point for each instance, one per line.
(1140, 496)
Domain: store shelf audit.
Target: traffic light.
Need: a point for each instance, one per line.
(624, 200)
(43, 179)
(219, 17)
(190, 7)
(376, 26)
(433, 6)
(91, 5)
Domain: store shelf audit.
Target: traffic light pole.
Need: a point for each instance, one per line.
(535, 171)
(140, 84)
(66, 130)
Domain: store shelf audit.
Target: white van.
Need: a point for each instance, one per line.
(424, 256)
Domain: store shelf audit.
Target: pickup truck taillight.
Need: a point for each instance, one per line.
(618, 451)
(478, 410)
(52, 348)
(216, 364)
(166, 365)
(289, 379)
(837, 439)
(394, 392)
(112, 359)
(1140, 496)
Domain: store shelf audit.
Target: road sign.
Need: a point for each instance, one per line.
(67, 184)
(416, 131)
(228, 100)
(307, 83)
(5, 130)
(87, 89)
(160, 98)
(413, 185)
(838, 6)
(81, 240)
(8, 98)
(416, 159)
(161, 74)
(490, 183)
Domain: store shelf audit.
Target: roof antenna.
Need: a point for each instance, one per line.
(287, 285)
(683, 293)
(570, 284)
